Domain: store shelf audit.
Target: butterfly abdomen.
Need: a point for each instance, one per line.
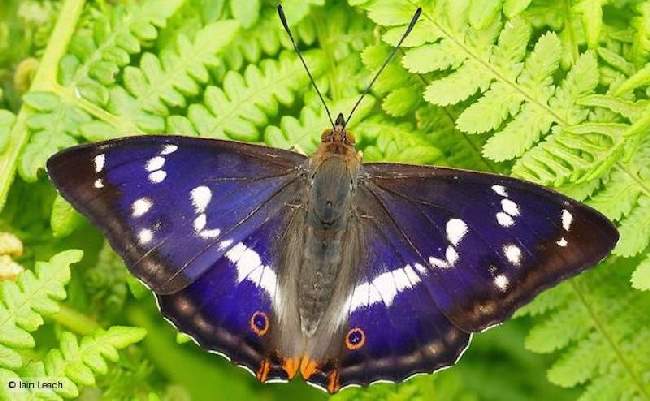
(328, 210)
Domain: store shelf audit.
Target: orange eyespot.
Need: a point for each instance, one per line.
(259, 323)
(355, 339)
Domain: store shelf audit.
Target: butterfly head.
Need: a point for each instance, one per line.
(338, 139)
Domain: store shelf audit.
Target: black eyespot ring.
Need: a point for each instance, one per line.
(355, 339)
(259, 323)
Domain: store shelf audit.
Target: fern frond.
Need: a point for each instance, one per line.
(97, 52)
(244, 103)
(603, 331)
(55, 126)
(266, 38)
(77, 363)
(165, 81)
(26, 301)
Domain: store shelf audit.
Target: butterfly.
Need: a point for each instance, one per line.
(341, 271)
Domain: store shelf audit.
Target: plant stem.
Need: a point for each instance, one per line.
(44, 79)
(75, 321)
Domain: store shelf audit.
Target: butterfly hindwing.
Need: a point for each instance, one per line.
(170, 205)
(489, 243)
(231, 308)
(392, 328)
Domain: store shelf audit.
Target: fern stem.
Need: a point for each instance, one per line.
(634, 177)
(600, 327)
(572, 36)
(121, 124)
(75, 320)
(44, 79)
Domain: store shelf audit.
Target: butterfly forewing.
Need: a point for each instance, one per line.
(489, 243)
(172, 206)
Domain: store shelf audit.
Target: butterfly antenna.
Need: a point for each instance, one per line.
(283, 18)
(390, 56)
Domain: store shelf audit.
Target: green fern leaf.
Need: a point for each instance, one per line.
(55, 126)
(25, 301)
(608, 345)
(163, 82)
(243, 103)
(97, 53)
(78, 363)
(635, 230)
(641, 276)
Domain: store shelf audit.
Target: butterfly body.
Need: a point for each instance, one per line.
(342, 271)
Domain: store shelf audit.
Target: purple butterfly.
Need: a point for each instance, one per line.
(345, 272)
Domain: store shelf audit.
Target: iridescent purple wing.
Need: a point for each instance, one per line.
(392, 327)
(487, 244)
(173, 206)
(231, 308)
(447, 253)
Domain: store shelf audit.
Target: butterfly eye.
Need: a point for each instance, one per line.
(355, 339)
(259, 323)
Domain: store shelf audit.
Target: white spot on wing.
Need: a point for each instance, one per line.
(505, 219)
(249, 267)
(510, 207)
(145, 236)
(501, 282)
(562, 242)
(456, 230)
(451, 258)
(452, 255)
(155, 163)
(421, 269)
(383, 288)
(169, 149)
(385, 284)
(512, 253)
(213, 233)
(141, 206)
(99, 162)
(437, 262)
(500, 189)
(199, 222)
(201, 197)
(157, 176)
(567, 219)
(99, 183)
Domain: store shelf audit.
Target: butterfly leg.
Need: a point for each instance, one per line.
(291, 366)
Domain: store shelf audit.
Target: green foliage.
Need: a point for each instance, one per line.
(605, 343)
(26, 301)
(554, 92)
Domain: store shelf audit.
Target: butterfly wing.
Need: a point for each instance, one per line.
(392, 328)
(489, 243)
(172, 206)
(231, 309)
(447, 253)
(198, 221)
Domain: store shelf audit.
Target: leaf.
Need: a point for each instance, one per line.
(246, 12)
(163, 82)
(244, 102)
(641, 276)
(26, 301)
